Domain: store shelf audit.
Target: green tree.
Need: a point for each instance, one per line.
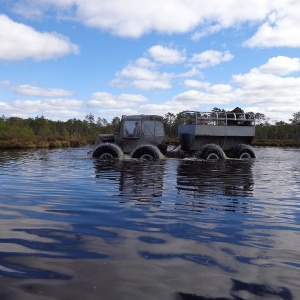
(170, 124)
(260, 118)
(216, 109)
(26, 134)
(115, 124)
(90, 119)
(45, 132)
(38, 123)
(295, 121)
(296, 118)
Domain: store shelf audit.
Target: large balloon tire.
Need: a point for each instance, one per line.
(107, 151)
(241, 151)
(147, 152)
(210, 152)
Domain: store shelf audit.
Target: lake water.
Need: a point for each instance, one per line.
(75, 228)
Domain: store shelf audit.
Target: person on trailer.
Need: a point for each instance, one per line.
(202, 121)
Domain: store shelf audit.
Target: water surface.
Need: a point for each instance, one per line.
(73, 227)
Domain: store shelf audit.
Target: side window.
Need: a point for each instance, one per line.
(148, 127)
(160, 129)
(153, 128)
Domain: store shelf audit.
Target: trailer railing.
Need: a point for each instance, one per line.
(218, 118)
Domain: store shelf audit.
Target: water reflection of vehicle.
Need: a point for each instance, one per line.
(218, 185)
(141, 181)
(253, 290)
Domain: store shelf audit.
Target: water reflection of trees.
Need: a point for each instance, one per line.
(218, 185)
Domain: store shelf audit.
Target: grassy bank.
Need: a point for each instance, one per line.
(18, 144)
(276, 143)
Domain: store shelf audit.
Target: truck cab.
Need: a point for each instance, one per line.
(140, 130)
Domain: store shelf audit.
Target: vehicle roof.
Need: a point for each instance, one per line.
(142, 117)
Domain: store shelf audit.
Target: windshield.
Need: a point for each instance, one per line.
(136, 129)
(132, 129)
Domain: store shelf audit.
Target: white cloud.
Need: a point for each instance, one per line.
(163, 108)
(56, 104)
(191, 73)
(107, 100)
(191, 83)
(195, 98)
(262, 89)
(206, 31)
(113, 112)
(281, 28)
(134, 18)
(55, 109)
(281, 65)
(19, 41)
(210, 58)
(142, 77)
(145, 74)
(220, 88)
(29, 90)
(144, 62)
(266, 88)
(166, 55)
(206, 86)
(36, 9)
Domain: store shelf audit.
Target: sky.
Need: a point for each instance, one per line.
(65, 59)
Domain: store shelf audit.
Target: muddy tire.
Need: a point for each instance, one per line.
(241, 151)
(107, 151)
(210, 151)
(148, 152)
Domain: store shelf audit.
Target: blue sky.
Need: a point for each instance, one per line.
(64, 59)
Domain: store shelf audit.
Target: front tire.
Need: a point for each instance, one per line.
(148, 152)
(107, 151)
(210, 152)
(241, 151)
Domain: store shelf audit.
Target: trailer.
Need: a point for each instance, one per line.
(203, 135)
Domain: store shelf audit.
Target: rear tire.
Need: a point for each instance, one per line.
(148, 152)
(210, 152)
(241, 151)
(107, 151)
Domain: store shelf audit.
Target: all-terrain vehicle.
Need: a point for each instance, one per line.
(205, 135)
(139, 136)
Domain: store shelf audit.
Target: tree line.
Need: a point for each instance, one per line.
(16, 132)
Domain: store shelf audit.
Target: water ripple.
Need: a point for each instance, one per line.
(170, 229)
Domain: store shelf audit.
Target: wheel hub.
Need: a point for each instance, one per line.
(245, 155)
(106, 156)
(146, 157)
(213, 156)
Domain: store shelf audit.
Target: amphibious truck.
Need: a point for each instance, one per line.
(203, 135)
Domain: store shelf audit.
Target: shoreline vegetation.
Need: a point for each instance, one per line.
(18, 133)
(75, 143)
